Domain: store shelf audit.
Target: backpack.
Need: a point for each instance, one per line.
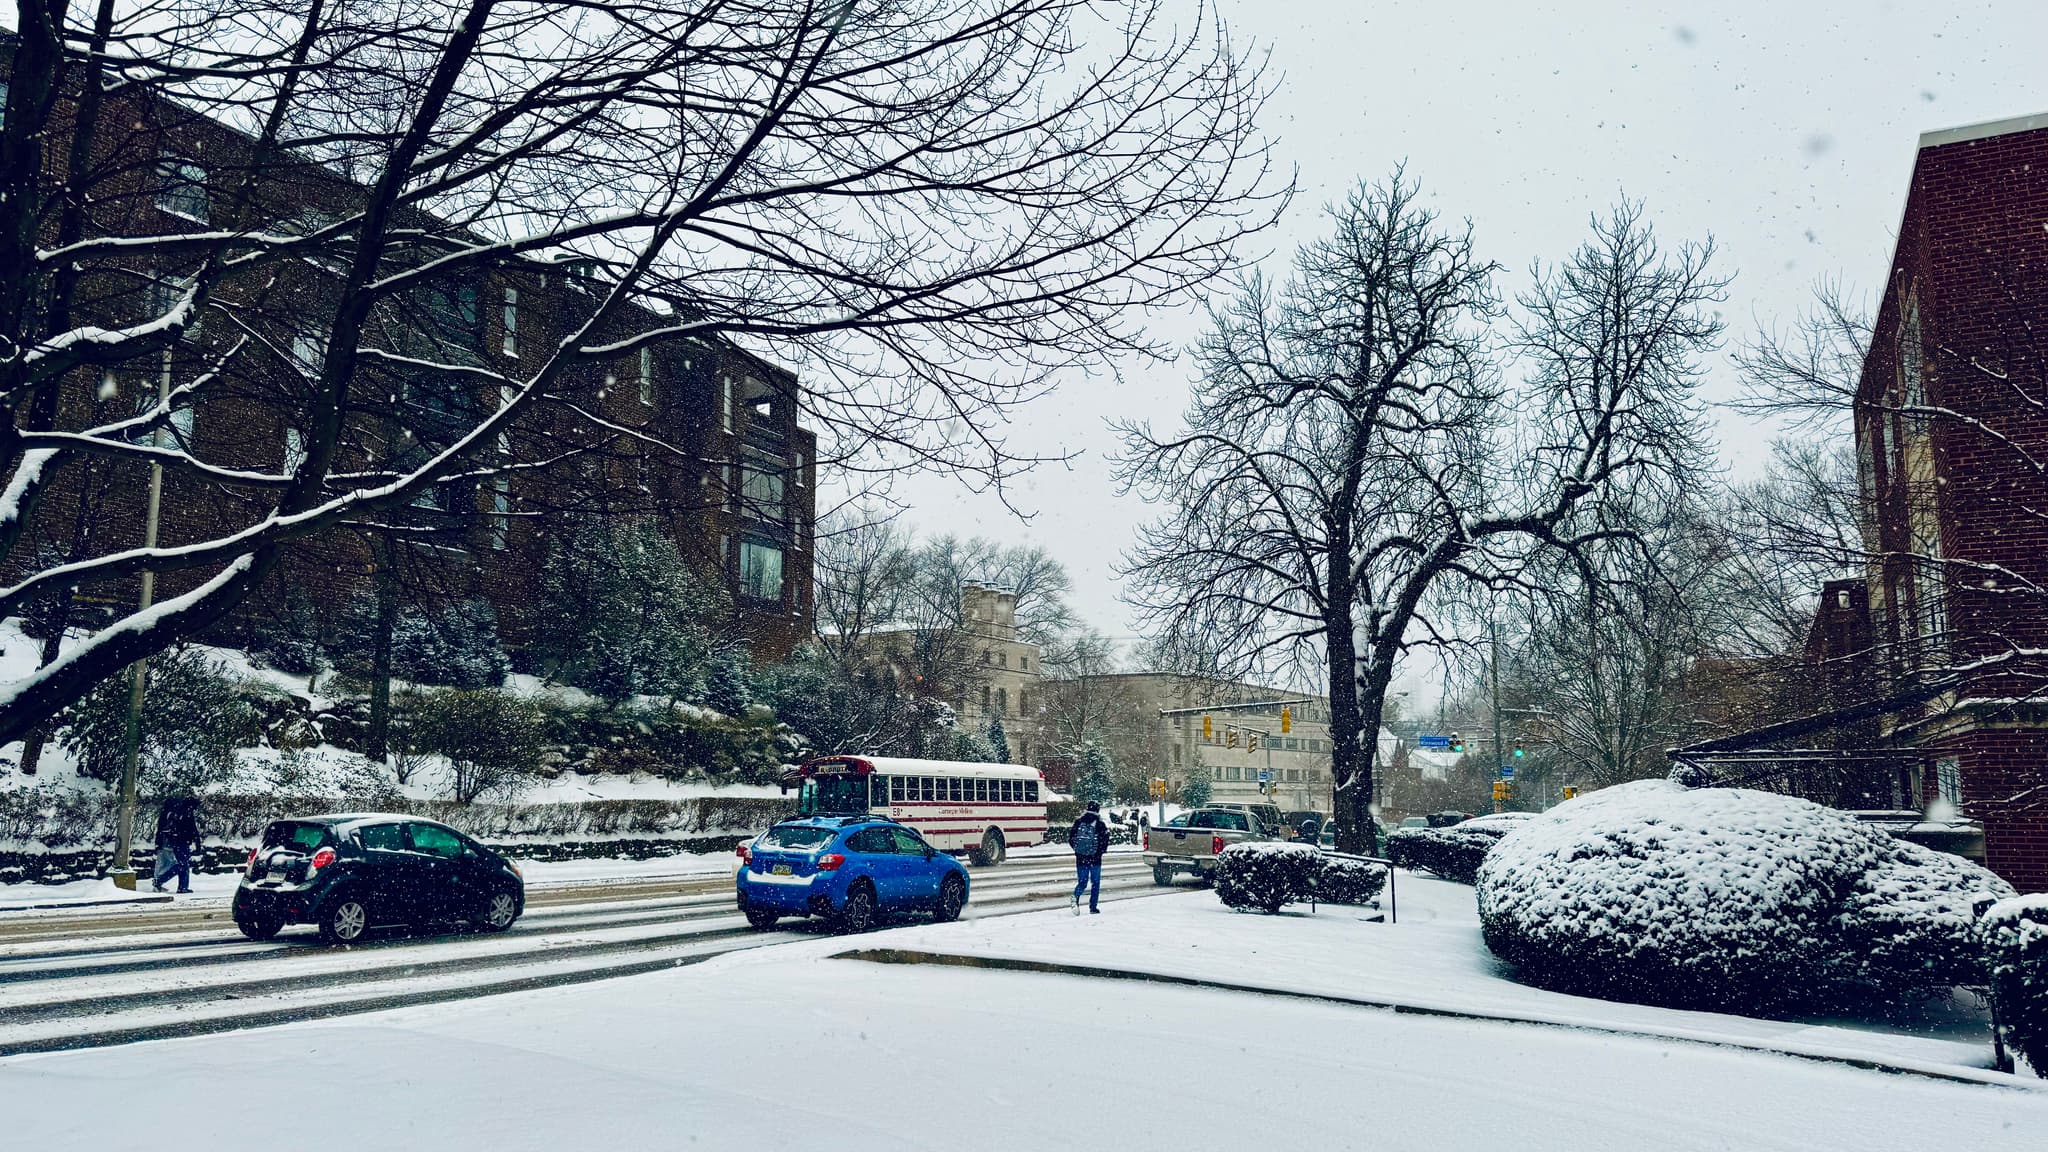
(1087, 837)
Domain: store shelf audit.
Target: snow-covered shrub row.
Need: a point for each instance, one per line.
(1347, 881)
(1267, 875)
(1453, 853)
(1724, 898)
(2014, 936)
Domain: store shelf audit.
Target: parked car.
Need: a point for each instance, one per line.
(1268, 814)
(1194, 848)
(852, 870)
(350, 873)
(1415, 822)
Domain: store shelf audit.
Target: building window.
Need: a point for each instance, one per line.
(1948, 777)
(760, 570)
(647, 376)
(511, 344)
(181, 189)
(294, 449)
(762, 490)
(501, 511)
(309, 352)
(1003, 701)
(725, 403)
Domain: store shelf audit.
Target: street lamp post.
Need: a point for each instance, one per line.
(122, 872)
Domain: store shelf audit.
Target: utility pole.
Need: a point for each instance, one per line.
(1493, 663)
(123, 872)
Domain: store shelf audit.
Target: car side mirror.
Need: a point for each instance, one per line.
(930, 852)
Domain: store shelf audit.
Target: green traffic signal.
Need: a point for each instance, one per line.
(1518, 753)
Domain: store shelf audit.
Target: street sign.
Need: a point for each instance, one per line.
(1265, 777)
(1435, 741)
(1507, 771)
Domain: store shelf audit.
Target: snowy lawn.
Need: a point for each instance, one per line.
(786, 1048)
(1432, 958)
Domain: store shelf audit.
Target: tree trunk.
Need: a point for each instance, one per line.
(377, 742)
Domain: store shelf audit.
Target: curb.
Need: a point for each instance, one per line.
(63, 904)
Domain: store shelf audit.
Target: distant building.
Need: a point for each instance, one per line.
(985, 666)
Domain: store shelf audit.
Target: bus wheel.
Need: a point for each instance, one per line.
(991, 850)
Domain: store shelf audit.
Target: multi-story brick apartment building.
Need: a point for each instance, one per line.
(1951, 427)
(697, 436)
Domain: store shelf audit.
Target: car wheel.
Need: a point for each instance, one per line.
(858, 913)
(499, 912)
(991, 850)
(259, 927)
(345, 920)
(952, 898)
(762, 920)
(1162, 876)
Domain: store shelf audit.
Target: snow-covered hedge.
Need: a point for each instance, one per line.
(1344, 880)
(1725, 898)
(1267, 875)
(1454, 852)
(2014, 935)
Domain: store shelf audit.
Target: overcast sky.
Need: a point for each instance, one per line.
(1786, 129)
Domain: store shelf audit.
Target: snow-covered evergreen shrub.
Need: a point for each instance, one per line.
(1908, 924)
(998, 740)
(1717, 898)
(1267, 876)
(492, 740)
(728, 683)
(620, 613)
(193, 719)
(1195, 790)
(1453, 853)
(1094, 773)
(2014, 938)
(1347, 881)
(288, 638)
(454, 644)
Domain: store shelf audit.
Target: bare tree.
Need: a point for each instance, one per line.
(1349, 453)
(927, 206)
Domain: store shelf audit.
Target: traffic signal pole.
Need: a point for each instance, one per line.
(1493, 634)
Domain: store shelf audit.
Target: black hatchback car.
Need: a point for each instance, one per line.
(349, 873)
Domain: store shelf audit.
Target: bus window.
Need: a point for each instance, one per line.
(924, 788)
(896, 789)
(953, 789)
(881, 791)
(836, 796)
(981, 791)
(1002, 791)
(1031, 791)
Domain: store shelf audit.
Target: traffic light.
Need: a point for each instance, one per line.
(1158, 788)
(1208, 729)
(1570, 791)
(1230, 737)
(1500, 789)
(1251, 741)
(1457, 742)
(1519, 753)
(1286, 719)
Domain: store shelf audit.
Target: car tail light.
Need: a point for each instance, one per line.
(1148, 841)
(321, 859)
(830, 862)
(745, 856)
(251, 867)
(1216, 845)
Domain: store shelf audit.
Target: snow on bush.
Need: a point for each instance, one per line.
(1267, 875)
(1343, 880)
(1723, 898)
(2014, 936)
(1453, 853)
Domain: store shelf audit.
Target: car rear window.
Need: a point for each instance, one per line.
(1231, 821)
(295, 834)
(797, 837)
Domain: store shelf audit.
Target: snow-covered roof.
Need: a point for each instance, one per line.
(907, 766)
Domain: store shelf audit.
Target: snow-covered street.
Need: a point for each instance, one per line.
(794, 1047)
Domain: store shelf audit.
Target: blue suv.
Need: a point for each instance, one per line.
(851, 870)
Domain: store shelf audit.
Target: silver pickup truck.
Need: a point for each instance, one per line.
(1192, 844)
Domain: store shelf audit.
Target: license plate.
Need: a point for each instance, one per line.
(781, 869)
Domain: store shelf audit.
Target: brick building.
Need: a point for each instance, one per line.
(1951, 429)
(695, 435)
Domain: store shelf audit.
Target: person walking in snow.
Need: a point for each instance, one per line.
(1089, 838)
(177, 830)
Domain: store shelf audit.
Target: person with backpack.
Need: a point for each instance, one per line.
(177, 831)
(1089, 838)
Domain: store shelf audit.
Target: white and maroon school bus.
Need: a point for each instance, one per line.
(982, 809)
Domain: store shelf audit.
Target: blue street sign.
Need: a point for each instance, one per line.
(1507, 771)
(1435, 741)
(1265, 777)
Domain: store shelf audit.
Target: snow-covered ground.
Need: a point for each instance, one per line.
(789, 1048)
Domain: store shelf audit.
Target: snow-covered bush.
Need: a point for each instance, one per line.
(1195, 790)
(1094, 777)
(1721, 898)
(194, 718)
(2014, 937)
(1346, 881)
(1267, 875)
(622, 614)
(455, 644)
(1453, 853)
(492, 740)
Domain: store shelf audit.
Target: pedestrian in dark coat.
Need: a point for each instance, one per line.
(1089, 838)
(177, 832)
